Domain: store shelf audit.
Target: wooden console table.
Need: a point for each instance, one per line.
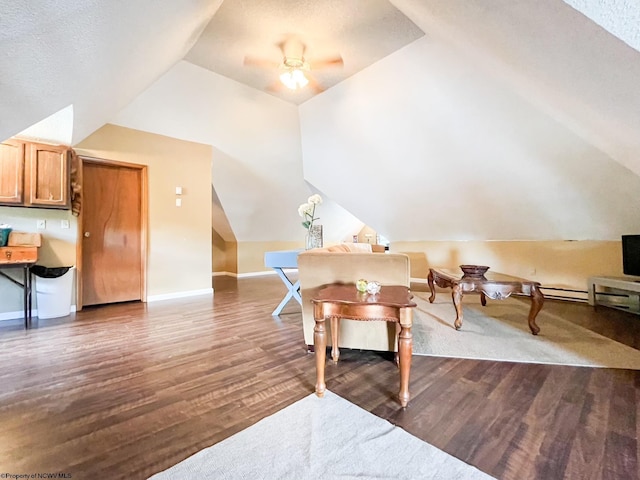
(496, 286)
(25, 258)
(344, 301)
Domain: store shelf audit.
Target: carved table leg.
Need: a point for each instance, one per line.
(483, 299)
(537, 300)
(320, 341)
(456, 295)
(396, 356)
(405, 350)
(431, 287)
(335, 349)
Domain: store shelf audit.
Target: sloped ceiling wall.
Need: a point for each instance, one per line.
(508, 120)
(558, 59)
(443, 151)
(517, 122)
(94, 55)
(257, 168)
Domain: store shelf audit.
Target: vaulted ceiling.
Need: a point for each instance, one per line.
(359, 33)
(465, 119)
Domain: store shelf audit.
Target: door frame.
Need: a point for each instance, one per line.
(144, 223)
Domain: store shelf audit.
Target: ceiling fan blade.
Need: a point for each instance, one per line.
(327, 62)
(259, 62)
(275, 87)
(313, 84)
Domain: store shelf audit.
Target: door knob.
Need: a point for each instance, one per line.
(87, 234)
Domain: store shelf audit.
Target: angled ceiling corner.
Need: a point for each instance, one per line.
(618, 17)
(557, 58)
(56, 129)
(97, 56)
(219, 221)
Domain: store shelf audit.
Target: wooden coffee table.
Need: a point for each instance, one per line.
(496, 286)
(338, 301)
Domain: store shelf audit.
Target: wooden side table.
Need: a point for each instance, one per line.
(343, 301)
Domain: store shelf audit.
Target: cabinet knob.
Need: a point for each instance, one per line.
(87, 234)
(8, 254)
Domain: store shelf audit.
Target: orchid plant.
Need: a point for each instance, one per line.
(308, 210)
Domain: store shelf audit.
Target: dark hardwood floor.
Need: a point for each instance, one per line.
(127, 390)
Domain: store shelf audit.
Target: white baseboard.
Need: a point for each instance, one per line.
(19, 315)
(251, 274)
(418, 280)
(223, 274)
(256, 274)
(169, 296)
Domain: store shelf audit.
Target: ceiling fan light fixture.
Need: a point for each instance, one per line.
(294, 78)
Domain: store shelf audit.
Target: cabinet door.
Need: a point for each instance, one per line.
(11, 173)
(47, 176)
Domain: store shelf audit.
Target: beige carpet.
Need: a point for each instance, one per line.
(326, 438)
(500, 331)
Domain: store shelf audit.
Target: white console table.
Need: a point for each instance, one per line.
(629, 286)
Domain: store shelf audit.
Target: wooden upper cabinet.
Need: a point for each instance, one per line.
(11, 173)
(34, 175)
(47, 176)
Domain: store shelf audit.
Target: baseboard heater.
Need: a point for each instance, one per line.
(558, 293)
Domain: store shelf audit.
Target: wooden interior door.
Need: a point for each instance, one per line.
(112, 233)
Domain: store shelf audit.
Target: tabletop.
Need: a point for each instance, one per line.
(348, 294)
(489, 277)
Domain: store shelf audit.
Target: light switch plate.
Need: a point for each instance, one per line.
(64, 223)
(41, 224)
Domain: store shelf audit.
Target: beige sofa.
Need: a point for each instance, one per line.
(321, 266)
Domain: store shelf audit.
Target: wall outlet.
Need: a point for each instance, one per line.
(178, 202)
(64, 223)
(41, 224)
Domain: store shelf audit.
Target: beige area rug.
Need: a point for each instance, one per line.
(316, 438)
(500, 332)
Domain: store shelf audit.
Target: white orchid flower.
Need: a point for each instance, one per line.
(315, 199)
(304, 209)
(308, 210)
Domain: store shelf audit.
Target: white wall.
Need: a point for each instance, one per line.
(561, 61)
(257, 164)
(444, 151)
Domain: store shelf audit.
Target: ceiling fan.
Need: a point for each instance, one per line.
(294, 70)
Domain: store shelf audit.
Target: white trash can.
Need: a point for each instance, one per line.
(53, 295)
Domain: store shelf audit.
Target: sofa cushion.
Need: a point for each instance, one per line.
(347, 247)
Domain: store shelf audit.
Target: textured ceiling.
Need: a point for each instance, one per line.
(360, 32)
(619, 17)
(96, 55)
